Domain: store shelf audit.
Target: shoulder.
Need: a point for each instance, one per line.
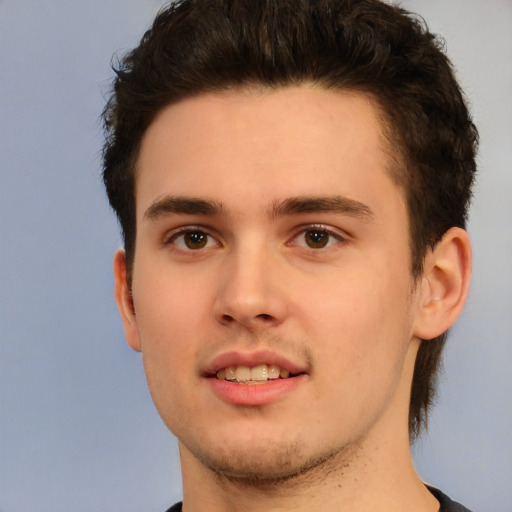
(447, 505)
(175, 508)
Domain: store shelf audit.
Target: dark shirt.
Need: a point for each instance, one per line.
(447, 505)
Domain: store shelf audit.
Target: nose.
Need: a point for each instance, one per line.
(251, 293)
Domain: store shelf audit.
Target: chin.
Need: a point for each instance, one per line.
(268, 464)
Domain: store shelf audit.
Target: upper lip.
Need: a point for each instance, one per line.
(251, 359)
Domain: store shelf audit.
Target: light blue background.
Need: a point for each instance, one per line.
(78, 431)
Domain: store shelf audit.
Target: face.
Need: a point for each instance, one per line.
(273, 302)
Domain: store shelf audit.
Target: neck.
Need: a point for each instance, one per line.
(351, 482)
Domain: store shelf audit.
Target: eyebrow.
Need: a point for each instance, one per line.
(290, 206)
(184, 205)
(322, 204)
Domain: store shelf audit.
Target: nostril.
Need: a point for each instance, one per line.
(262, 318)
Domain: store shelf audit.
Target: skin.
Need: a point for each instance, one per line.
(347, 314)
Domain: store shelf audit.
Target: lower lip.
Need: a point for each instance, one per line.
(254, 394)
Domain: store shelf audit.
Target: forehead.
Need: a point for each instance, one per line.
(267, 144)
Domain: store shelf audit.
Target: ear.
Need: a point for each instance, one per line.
(124, 301)
(444, 285)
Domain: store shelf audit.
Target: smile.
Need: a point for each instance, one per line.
(256, 375)
(255, 379)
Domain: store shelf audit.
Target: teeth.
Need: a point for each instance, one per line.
(260, 373)
(243, 373)
(230, 373)
(274, 371)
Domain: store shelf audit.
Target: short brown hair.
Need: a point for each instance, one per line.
(197, 46)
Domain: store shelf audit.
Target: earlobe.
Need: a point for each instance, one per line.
(445, 284)
(124, 301)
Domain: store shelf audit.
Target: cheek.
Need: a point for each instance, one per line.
(169, 303)
(360, 344)
(364, 325)
(171, 316)
(168, 353)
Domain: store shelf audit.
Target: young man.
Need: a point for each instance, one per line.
(292, 179)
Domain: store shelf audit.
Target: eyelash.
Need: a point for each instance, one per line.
(171, 239)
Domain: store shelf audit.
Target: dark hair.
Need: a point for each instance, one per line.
(197, 46)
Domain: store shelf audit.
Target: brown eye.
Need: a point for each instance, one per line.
(316, 239)
(187, 240)
(195, 239)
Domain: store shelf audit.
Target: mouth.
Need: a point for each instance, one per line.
(254, 379)
(259, 374)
